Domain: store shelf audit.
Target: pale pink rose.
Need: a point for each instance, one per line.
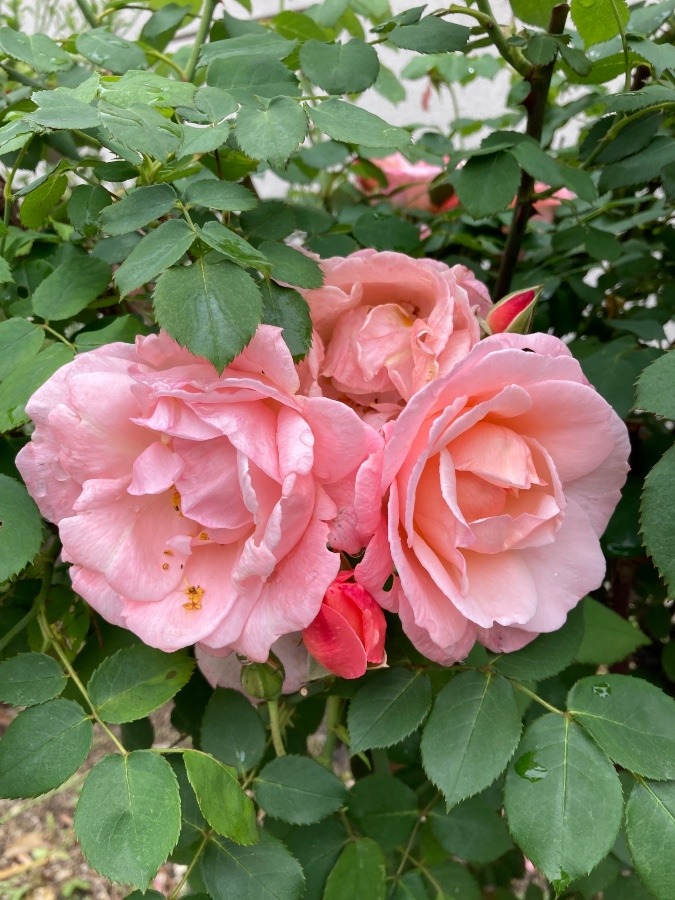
(223, 668)
(386, 325)
(545, 209)
(197, 506)
(501, 477)
(407, 183)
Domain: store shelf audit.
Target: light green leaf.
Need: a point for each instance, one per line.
(139, 207)
(30, 678)
(353, 125)
(534, 12)
(20, 340)
(128, 816)
(142, 128)
(359, 873)
(39, 203)
(110, 51)
(222, 195)
(71, 287)
(659, 56)
(42, 747)
(487, 184)
(340, 68)
(273, 133)
(599, 20)
(387, 708)
(38, 50)
(658, 516)
(538, 163)
(85, 206)
(292, 266)
(147, 88)
(158, 250)
(16, 135)
(24, 380)
(61, 109)
(287, 309)
(232, 245)
(655, 387)
(299, 790)
(232, 730)
(249, 77)
(547, 655)
(221, 799)
(608, 638)
(245, 45)
(650, 829)
(430, 35)
(266, 871)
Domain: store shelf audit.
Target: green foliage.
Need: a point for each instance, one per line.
(298, 790)
(265, 871)
(285, 308)
(650, 828)
(232, 730)
(359, 873)
(654, 387)
(274, 132)
(157, 251)
(546, 655)
(384, 808)
(599, 20)
(608, 638)
(387, 708)
(340, 68)
(30, 678)
(20, 530)
(658, 519)
(225, 806)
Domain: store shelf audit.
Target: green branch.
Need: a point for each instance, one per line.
(204, 24)
(88, 12)
(512, 55)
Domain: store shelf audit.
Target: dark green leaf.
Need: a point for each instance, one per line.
(110, 51)
(613, 369)
(214, 103)
(534, 12)
(60, 108)
(608, 638)
(316, 847)
(654, 387)
(20, 528)
(472, 830)
(213, 309)
(471, 734)
(249, 77)
(658, 516)
(39, 203)
(641, 167)
(266, 871)
(142, 129)
(547, 655)
(158, 250)
(541, 49)
(71, 287)
(128, 816)
(454, 880)
(285, 308)
(272, 133)
(384, 808)
(43, 747)
(137, 680)
(292, 266)
(387, 708)
(204, 140)
(230, 244)
(30, 678)
(386, 233)
(221, 799)
(430, 35)
(246, 45)
(123, 328)
(271, 220)
(299, 790)
(359, 873)
(25, 379)
(340, 68)
(232, 730)
(538, 163)
(576, 59)
(563, 799)
(599, 20)
(85, 205)
(631, 720)
(487, 184)
(20, 341)
(138, 208)
(660, 56)
(650, 828)
(223, 195)
(138, 735)
(353, 125)
(38, 50)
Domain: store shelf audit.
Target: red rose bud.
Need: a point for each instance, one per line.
(348, 632)
(514, 312)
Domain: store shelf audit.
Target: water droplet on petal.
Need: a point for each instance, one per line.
(528, 767)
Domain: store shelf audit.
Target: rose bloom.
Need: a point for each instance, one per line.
(407, 183)
(197, 506)
(348, 633)
(502, 476)
(545, 209)
(386, 325)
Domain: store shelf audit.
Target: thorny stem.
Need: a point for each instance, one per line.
(204, 23)
(87, 12)
(333, 716)
(277, 741)
(540, 82)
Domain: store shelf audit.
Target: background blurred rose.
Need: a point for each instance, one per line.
(545, 209)
(407, 183)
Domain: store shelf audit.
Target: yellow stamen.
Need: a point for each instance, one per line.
(203, 536)
(194, 593)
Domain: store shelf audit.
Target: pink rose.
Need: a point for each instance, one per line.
(502, 476)
(223, 668)
(197, 506)
(387, 324)
(545, 209)
(407, 183)
(348, 633)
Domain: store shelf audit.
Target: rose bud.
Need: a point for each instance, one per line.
(514, 312)
(348, 632)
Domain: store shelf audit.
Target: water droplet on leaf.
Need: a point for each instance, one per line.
(528, 767)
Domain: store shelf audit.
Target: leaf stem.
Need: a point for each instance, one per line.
(277, 741)
(512, 55)
(58, 336)
(88, 12)
(624, 44)
(540, 700)
(204, 23)
(175, 893)
(333, 716)
(380, 761)
(8, 198)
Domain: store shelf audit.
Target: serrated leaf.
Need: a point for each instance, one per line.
(138, 208)
(16, 135)
(599, 20)
(223, 803)
(142, 129)
(42, 747)
(137, 680)
(534, 12)
(658, 516)
(213, 309)
(471, 734)
(288, 310)
(298, 790)
(472, 830)
(232, 730)
(203, 140)
(640, 167)
(650, 829)
(271, 220)
(38, 50)
(30, 678)
(20, 528)
(249, 77)
(384, 808)
(273, 133)
(340, 68)
(316, 847)
(538, 163)
(232, 245)
(128, 816)
(659, 56)
(387, 708)
(292, 266)
(149, 88)
(630, 719)
(487, 184)
(223, 195)
(20, 340)
(245, 45)
(359, 873)
(608, 638)
(24, 380)
(547, 655)
(110, 51)
(71, 287)
(541, 49)
(563, 799)
(60, 108)
(353, 125)
(158, 250)
(40, 202)
(430, 35)
(266, 871)
(654, 387)
(85, 205)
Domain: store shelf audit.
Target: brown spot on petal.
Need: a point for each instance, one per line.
(165, 566)
(203, 536)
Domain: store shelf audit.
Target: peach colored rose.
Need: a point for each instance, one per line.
(407, 183)
(545, 209)
(197, 506)
(386, 324)
(502, 476)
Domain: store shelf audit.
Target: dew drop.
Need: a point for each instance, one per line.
(528, 767)
(602, 690)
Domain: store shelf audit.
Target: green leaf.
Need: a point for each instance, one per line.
(288, 310)
(654, 387)
(359, 873)
(137, 680)
(128, 816)
(471, 734)
(387, 708)
(538, 163)
(641, 167)
(143, 205)
(599, 20)
(340, 68)
(472, 830)
(249, 77)
(541, 49)
(266, 871)
(148, 88)
(85, 205)
(38, 50)
(158, 250)
(20, 340)
(387, 232)
(271, 220)
(563, 799)
(213, 309)
(455, 880)
(246, 45)
(272, 133)
(534, 12)
(384, 808)
(298, 790)
(142, 129)
(659, 56)
(5, 272)
(316, 847)
(20, 528)
(292, 266)
(15, 135)
(204, 140)
(232, 730)
(60, 108)
(630, 719)
(41, 201)
(24, 380)
(224, 195)
(547, 655)
(225, 806)
(576, 59)
(232, 245)
(71, 287)
(214, 103)
(43, 747)
(487, 184)
(430, 35)
(608, 638)
(658, 516)
(122, 328)
(613, 369)
(110, 51)
(30, 678)
(650, 829)
(353, 125)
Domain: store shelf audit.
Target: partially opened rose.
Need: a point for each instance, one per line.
(407, 183)
(197, 506)
(387, 324)
(502, 476)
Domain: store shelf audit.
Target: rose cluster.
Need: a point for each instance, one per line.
(470, 477)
